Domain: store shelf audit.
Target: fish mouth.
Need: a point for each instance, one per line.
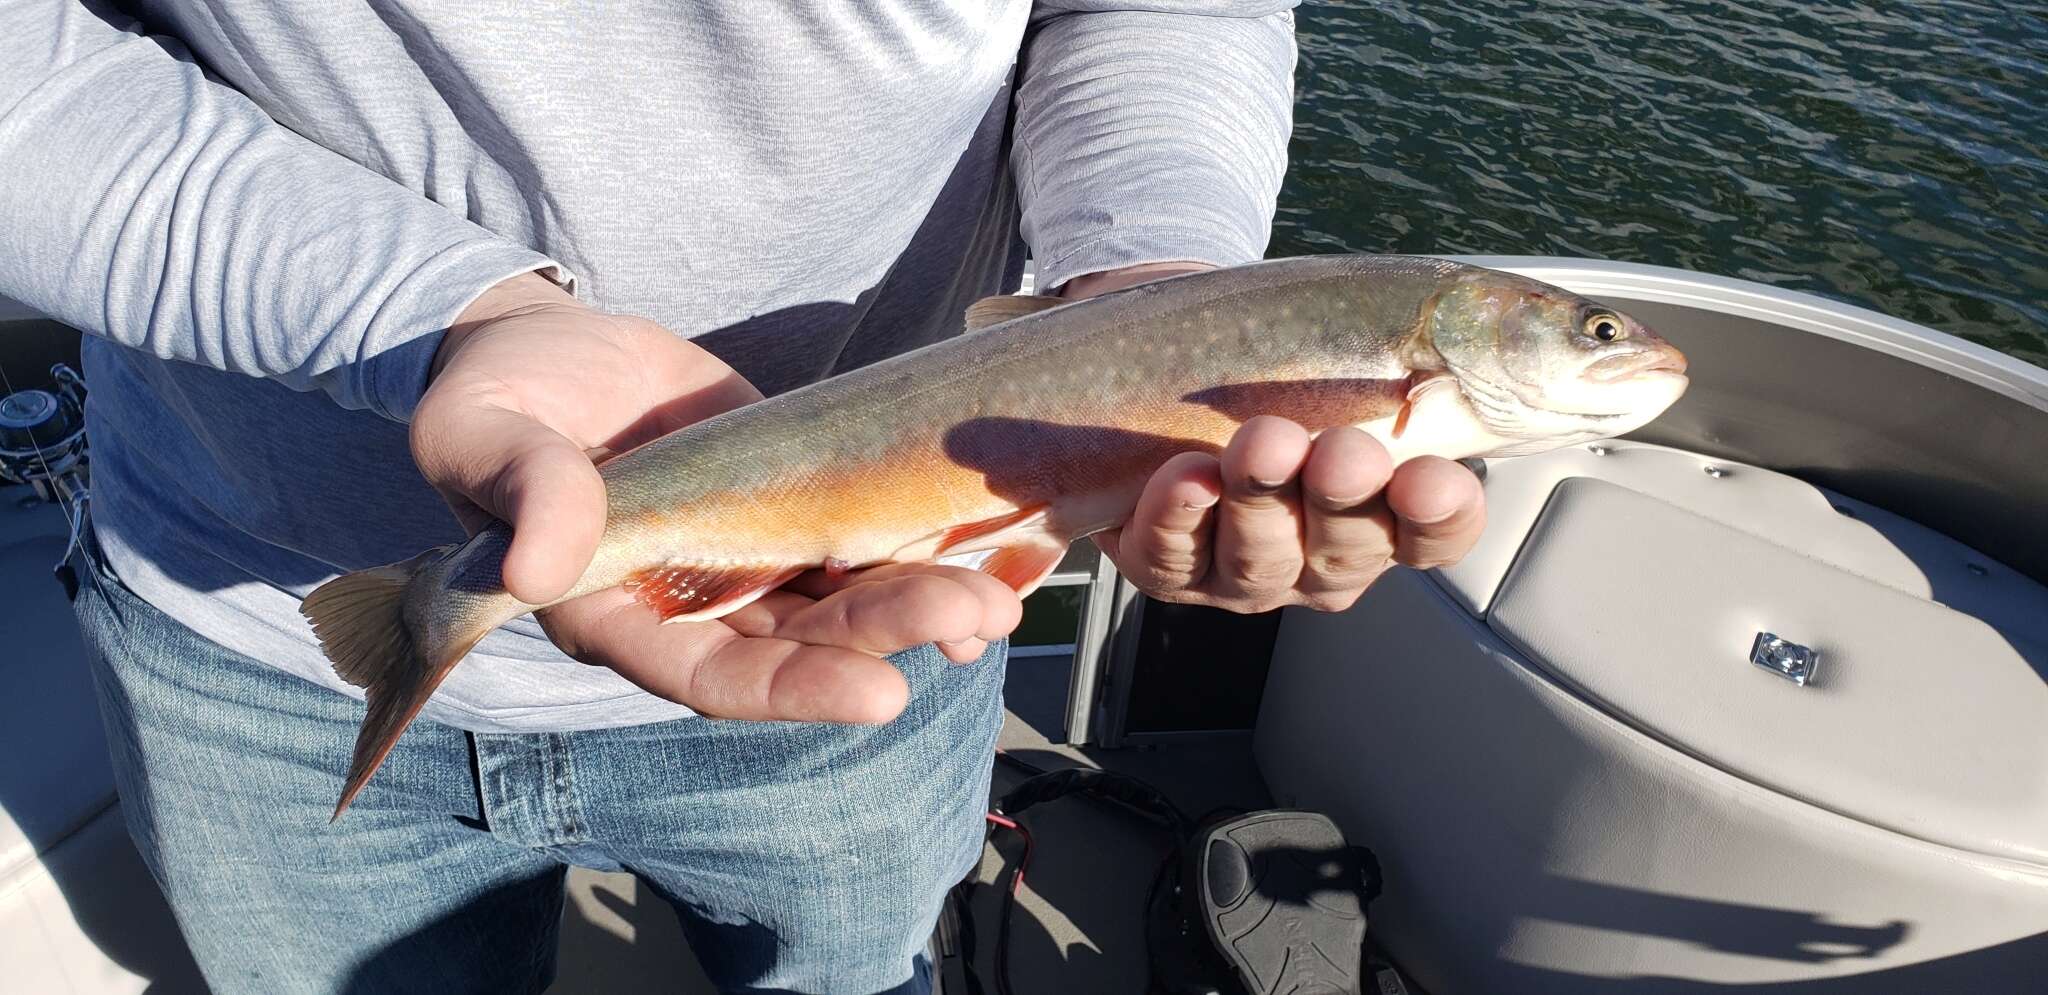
(1613, 369)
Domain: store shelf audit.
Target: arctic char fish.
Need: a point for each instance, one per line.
(1040, 426)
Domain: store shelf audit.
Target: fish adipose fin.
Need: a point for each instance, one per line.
(1025, 565)
(361, 623)
(697, 592)
(996, 310)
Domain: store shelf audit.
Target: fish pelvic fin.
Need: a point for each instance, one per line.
(363, 628)
(996, 310)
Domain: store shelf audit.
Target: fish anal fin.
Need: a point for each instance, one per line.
(988, 532)
(696, 592)
(996, 310)
(1025, 565)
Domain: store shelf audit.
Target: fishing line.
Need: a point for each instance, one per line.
(74, 511)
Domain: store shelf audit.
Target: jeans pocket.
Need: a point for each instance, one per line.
(88, 564)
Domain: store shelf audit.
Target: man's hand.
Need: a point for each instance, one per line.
(1279, 520)
(530, 384)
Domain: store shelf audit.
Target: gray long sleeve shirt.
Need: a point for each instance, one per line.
(266, 214)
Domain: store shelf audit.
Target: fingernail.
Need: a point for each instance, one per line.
(1445, 517)
(1345, 502)
(1203, 505)
(1265, 487)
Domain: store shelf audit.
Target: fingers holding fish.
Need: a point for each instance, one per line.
(781, 679)
(717, 670)
(1349, 536)
(484, 456)
(1441, 509)
(898, 606)
(1259, 528)
(1166, 544)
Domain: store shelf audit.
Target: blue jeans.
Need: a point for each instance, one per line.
(799, 856)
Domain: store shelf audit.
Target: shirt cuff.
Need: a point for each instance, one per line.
(399, 345)
(1137, 245)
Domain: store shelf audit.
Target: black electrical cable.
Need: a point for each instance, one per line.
(1123, 790)
(1016, 880)
(1029, 768)
(964, 937)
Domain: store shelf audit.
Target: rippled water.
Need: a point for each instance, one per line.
(1890, 153)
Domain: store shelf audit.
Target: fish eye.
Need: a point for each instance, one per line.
(1605, 327)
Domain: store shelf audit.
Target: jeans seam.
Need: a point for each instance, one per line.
(566, 805)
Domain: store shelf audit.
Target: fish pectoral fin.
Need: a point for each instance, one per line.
(1025, 565)
(996, 310)
(698, 592)
(1418, 385)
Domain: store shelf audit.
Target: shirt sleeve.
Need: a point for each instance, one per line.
(150, 204)
(1152, 131)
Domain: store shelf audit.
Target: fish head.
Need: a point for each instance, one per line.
(1543, 367)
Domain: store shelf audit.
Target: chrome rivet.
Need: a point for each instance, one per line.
(1784, 657)
(1598, 449)
(1716, 472)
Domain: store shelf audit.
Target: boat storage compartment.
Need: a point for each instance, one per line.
(1919, 719)
(1576, 776)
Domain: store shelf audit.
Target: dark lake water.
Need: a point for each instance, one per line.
(1889, 153)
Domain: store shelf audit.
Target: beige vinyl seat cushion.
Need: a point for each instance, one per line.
(1575, 776)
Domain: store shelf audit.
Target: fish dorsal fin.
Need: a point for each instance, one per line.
(996, 310)
(696, 592)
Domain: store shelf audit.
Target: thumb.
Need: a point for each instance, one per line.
(527, 475)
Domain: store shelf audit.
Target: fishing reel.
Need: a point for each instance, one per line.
(42, 439)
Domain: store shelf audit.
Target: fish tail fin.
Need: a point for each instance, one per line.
(362, 624)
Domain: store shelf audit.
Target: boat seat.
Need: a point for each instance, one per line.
(1783, 510)
(1576, 776)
